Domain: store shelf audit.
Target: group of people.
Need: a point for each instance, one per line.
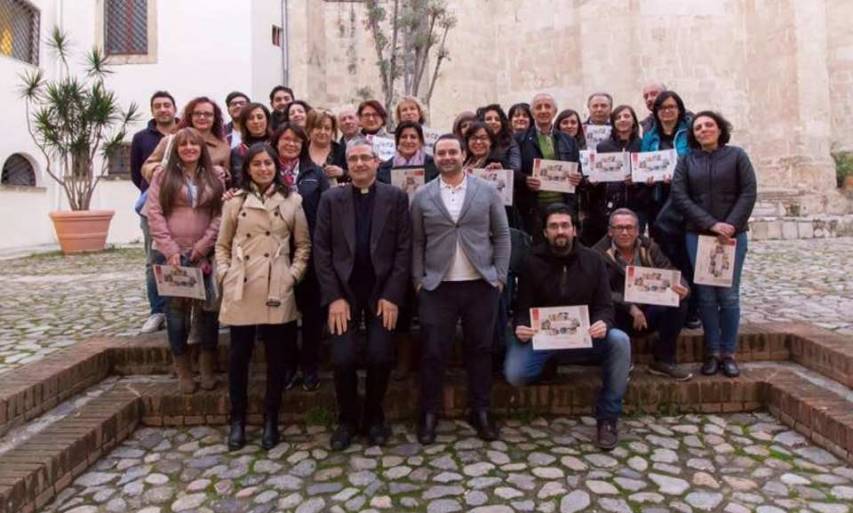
(293, 221)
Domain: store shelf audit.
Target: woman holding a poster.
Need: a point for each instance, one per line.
(258, 269)
(714, 188)
(604, 198)
(506, 149)
(184, 204)
(410, 154)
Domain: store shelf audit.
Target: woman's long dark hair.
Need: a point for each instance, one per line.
(504, 136)
(245, 136)
(524, 107)
(277, 181)
(635, 130)
(473, 129)
(580, 138)
(210, 188)
(299, 132)
(664, 96)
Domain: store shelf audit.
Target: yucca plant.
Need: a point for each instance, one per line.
(73, 119)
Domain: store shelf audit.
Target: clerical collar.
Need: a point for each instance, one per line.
(364, 190)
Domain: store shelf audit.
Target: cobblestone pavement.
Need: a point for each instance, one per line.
(733, 464)
(49, 301)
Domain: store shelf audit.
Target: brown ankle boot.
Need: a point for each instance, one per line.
(207, 368)
(185, 374)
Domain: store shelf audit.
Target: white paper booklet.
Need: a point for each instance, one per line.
(554, 174)
(501, 179)
(408, 179)
(609, 167)
(179, 281)
(715, 262)
(560, 327)
(656, 165)
(650, 286)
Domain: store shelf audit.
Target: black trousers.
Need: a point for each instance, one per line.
(476, 304)
(275, 338)
(378, 348)
(667, 321)
(307, 356)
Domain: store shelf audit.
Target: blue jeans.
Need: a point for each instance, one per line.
(156, 303)
(719, 307)
(179, 312)
(523, 366)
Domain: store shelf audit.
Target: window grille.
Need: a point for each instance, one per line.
(17, 170)
(19, 31)
(126, 27)
(118, 165)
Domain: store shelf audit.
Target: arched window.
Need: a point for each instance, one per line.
(17, 170)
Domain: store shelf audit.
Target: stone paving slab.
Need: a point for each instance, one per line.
(48, 302)
(725, 463)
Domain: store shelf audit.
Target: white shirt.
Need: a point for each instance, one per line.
(453, 197)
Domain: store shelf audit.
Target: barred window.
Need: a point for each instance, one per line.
(126, 27)
(19, 31)
(17, 170)
(118, 165)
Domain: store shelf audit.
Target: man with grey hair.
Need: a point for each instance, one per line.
(650, 93)
(362, 254)
(348, 123)
(623, 246)
(542, 141)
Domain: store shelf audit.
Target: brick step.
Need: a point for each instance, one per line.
(32, 473)
(571, 392)
(151, 354)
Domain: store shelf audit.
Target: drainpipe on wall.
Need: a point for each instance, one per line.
(285, 45)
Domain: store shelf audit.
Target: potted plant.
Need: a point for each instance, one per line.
(73, 120)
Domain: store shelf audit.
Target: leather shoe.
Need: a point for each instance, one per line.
(270, 436)
(711, 365)
(342, 437)
(378, 434)
(729, 366)
(607, 435)
(426, 429)
(693, 323)
(237, 436)
(482, 421)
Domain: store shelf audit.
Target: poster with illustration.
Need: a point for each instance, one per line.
(179, 281)
(657, 165)
(715, 261)
(430, 136)
(650, 286)
(554, 174)
(560, 327)
(408, 179)
(384, 147)
(609, 167)
(595, 134)
(501, 179)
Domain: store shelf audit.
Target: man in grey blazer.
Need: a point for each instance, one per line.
(460, 258)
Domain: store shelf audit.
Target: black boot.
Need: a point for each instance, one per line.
(374, 415)
(270, 436)
(237, 436)
(426, 428)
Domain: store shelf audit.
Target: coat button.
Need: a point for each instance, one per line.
(266, 255)
(248, 235)
(276, 214)
(243, 214)
(245, 280)
(268, 234)
(247, 256)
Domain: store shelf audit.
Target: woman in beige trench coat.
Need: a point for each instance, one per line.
(258, 272)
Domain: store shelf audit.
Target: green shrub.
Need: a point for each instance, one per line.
(843, 166)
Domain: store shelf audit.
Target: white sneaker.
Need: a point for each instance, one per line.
(153, 323)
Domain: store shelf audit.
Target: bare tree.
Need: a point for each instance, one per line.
(404, 37)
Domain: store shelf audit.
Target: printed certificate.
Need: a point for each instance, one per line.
(384, 147)
(609, 167)
(554, 174)
(560, 327)
(179, 282)
(408, 179)
(501, 179)
(656, 165)
(715, 262)
(650, 286)
(595, 134)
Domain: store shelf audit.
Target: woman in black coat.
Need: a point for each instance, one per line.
(410, 154)
(714, 188)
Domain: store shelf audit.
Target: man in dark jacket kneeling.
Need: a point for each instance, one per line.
(562, 272)
(623, 246)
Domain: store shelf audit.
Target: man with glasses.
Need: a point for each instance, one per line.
(234, 102)
(562, 272)
(362, 254)
(624, 246)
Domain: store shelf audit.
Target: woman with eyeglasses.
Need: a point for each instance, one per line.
(372, 118)
(205, 116)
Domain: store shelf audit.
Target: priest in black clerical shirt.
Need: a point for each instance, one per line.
(362, 255)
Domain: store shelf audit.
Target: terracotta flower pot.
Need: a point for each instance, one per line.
(81, 231)
(848, 183)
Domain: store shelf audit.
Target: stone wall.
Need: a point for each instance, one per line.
(780, 70)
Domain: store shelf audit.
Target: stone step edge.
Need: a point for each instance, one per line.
(34, 472)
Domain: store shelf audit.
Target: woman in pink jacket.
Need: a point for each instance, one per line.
(184, 209)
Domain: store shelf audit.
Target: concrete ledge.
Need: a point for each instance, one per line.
(789, 228)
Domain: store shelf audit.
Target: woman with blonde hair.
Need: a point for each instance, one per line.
(411, 109)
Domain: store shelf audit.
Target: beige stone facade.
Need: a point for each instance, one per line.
(780, 70)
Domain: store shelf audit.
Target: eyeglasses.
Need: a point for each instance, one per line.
(352, 159)
(623, 227)
(668, 107)
(202, 114)
(480, 138)
(369, 115)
